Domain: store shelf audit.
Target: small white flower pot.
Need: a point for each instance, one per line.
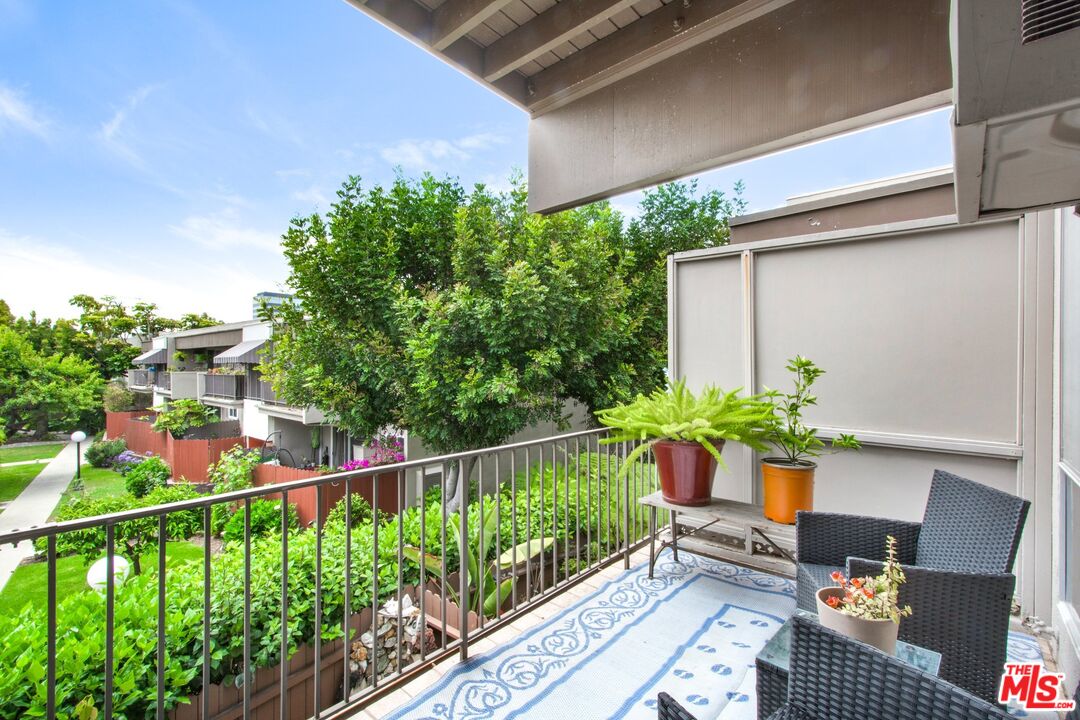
(879, 633)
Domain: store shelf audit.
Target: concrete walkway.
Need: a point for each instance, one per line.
(33, 507)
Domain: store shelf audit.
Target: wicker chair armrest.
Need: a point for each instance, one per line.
(667, 708)
(833, 676)
(831, 538)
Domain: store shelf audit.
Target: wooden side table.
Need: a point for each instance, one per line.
(744, 522)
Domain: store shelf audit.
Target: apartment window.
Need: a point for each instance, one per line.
(234, 413)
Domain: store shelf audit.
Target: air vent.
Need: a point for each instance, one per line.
(1042, 18)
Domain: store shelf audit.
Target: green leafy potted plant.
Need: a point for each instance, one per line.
(867, 608)
(687, 434)
(789, 476)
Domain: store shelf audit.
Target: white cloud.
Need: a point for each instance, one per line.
(313, 196)
(42, 276)
(118, 138)
(17, 114)
(223, 229)
(289, 173)
(431, 154)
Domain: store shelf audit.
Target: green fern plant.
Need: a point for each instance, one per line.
(677, 414)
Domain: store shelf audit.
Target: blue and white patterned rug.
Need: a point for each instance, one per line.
(693, 632)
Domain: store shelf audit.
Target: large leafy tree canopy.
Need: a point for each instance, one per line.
(45, 392)
(458, 315)
(672, 218)
(463, 317)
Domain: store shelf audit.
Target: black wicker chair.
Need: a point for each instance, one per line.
(668, 709)
(833, 676)
(957, 561)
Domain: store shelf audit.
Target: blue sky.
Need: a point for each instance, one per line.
(156, 151)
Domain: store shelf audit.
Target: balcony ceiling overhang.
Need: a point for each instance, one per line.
(157, 356)
(628, 93)
(245, 352)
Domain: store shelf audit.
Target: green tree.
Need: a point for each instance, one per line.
(193, 321)
(673, 218)
(40, 393)
(457, 315)
(6, 318)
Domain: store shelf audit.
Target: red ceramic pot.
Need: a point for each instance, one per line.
(686, 471)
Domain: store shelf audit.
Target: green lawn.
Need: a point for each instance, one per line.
(29, 583)
(15, 478)
(96, 483)
(44, 451)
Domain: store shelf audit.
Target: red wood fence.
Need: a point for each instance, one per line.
(306, 499)
(189, 459)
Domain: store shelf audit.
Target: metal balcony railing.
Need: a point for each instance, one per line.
(163, 380)
(556, 511)
(264, 392)
(140, 378)
(228, 387)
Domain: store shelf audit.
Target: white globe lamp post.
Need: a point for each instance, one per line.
(77, 437)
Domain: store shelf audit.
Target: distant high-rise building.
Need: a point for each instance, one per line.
(273, 299)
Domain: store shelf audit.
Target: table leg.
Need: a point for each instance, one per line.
(652, 539)
(675, 535)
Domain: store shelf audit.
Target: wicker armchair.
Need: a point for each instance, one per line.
(669, 709)
(833, 676)
(957, 561)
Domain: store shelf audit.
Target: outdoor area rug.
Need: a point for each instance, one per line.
(693, 632)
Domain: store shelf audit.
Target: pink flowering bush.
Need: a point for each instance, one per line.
(385, 450)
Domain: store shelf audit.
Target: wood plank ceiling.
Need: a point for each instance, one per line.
(542, 54)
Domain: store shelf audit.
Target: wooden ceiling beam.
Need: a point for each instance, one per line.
(545, 32)
(452, 20)
(657, 36)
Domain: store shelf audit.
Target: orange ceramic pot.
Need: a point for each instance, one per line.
(686, 471)
(788, 488)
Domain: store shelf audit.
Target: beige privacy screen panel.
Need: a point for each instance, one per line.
(918, 334)
(1070, 340)
(709, 346)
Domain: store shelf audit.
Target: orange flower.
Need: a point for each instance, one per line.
(838, 576)
(868, 592)
(832, 601)
(857, 582)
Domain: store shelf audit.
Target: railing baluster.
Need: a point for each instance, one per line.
(463, 566)
(346, 691)
(423, 570)
(374, 581)
(443, 587)
(318, 598)
(206, 614)
(543, 580)
(50, 661)
(400, 558)
(498, 538)
(513, 530)
(248, 672)
(566, 512)
(626, 511)
(283, 676)
(161, 618)
(480, 555)
(588, 501)
(528, 525)
(110, 598)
